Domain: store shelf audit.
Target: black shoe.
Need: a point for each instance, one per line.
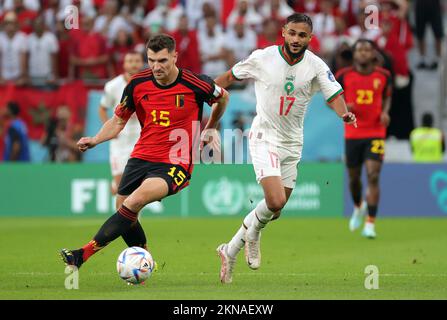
(422, 65)
(72, 257)
(434, 66)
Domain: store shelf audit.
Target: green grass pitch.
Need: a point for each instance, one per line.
(306, 258)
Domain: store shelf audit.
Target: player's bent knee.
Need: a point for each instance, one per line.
(276, 205)
(135, 203)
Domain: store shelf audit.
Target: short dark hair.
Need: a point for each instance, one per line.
(363, 40)
(300, 17)
(160, 42)
(13, 108)
(427, 120)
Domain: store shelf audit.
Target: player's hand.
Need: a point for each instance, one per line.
(210, 137)
(349, 118)
(385, 119)
(86, 143)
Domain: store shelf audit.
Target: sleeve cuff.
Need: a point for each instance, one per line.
(236, 78)
(335, 95)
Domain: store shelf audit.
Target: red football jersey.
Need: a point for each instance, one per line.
(365, 93)
(169, 115)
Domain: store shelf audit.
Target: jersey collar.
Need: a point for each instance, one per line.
(160, 86)
(284, 56)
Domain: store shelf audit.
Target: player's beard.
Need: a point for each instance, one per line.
(295, 55)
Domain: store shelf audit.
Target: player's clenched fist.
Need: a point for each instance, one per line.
(349, 118)
(86, 143)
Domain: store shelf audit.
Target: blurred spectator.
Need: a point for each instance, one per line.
(110, 22)
(13, 66)
(329, 27)
(212, 52)
(244, 11)
(197, 9)
(350, 10)
(24, 16)
(270, 35)
(89, 58)
(50, 15)
(64, 44)
(429, 12)
(43, 48)
(132, 11)
(165, 16)
(239, 42)
(396, 41)
(187, 46)
(16, 138)
(276, 9)
(122, 44)
(306, 6)
(33, 5)
(427, 143)
(61, 137)
(324, 21)
(208, 10)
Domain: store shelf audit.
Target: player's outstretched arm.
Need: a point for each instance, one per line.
(225, 80)
(109, 130)
(339, 106)
(217, 110)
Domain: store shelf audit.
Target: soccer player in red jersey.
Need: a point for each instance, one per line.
(368, 96)
(167, 101)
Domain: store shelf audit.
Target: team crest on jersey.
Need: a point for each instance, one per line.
(376, 83)
(179, 100)
(289, 86)
(330, 76)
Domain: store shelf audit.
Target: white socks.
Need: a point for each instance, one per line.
(262, 216)
(254, 221)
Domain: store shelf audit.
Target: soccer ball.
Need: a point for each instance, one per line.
(135, 265)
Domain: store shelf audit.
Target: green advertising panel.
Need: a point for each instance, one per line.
(215, 190)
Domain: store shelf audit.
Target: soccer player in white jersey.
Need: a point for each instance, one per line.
(121, 147)
(286, 77)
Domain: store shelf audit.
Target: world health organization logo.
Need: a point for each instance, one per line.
(223, 196)
(438, 187)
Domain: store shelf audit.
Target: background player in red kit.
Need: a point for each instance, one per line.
(368, 96)
(167, 101)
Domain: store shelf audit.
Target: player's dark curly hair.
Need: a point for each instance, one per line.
(363, 40)
(160, 42)
(300, 17)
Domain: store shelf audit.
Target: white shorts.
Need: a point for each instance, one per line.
(271, 160)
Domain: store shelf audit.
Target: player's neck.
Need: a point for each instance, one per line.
(127, 76)
(170, 78)
(291, 60)
(364, 69)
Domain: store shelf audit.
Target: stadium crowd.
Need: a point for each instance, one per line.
(45, 43)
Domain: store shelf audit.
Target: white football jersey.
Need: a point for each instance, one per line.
(283, 92)
(113, 91)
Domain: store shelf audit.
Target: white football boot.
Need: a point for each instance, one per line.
(368, 231)
(357, 216)
(253, 252)
(227, 264)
